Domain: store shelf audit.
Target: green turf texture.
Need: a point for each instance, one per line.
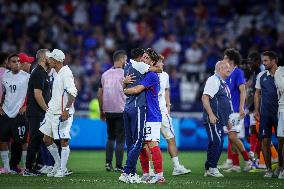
(89, 172)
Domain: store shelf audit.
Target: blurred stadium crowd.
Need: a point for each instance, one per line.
(190, 34)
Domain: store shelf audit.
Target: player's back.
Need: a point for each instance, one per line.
(152, 94)
(138, 100)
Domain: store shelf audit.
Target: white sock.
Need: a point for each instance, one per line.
(5, 159)
(54, 152)
(24, 156)
(160, 174)
(64, 157)
(175, 161)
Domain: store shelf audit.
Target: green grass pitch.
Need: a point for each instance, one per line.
(89, 172)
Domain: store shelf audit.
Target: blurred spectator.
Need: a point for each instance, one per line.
(169, 47)
(92, 30)
(194, 54)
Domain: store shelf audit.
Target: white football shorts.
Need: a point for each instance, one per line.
(280, 127)
(54, 128)
(152, 131)
(167, 129)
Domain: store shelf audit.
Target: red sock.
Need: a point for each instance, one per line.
(245, 155)
(258, 148)
(230, 155)
(235, 159)
(144, 160)
(253, 142)
(157, 159)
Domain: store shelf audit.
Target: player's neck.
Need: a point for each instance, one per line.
(15, 72)
(58, 67)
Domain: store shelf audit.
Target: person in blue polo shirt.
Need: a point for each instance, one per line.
(266, 107)
(216, 101)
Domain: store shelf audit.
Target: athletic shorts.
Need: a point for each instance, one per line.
(237, 125)
(280, 128)
(152, 131)
(167, 129)
(13, 128)
(53, 127)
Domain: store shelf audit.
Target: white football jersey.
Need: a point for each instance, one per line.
(164, 84)
(279, 81)
(15, 87)
(63, 84)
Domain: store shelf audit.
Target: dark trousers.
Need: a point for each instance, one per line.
(116, 135)
(215, 135)
(35, 140)
(134, 124)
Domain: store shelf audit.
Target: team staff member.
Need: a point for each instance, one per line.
(267, 110)
(112, 101)
(39, 94)
(216, 101)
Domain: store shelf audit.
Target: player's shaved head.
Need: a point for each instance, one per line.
(41, 54)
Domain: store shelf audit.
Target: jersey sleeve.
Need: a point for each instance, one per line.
(149, 80)
(211, 87)
(240, 78)
(257, 84)
(69, 84)
(168, 81)
(141, 67)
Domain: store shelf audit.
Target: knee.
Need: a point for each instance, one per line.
(232, 137)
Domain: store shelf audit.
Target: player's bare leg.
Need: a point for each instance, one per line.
(173, 151)
(237, 145)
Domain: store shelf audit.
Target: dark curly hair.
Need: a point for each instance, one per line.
(234, 55)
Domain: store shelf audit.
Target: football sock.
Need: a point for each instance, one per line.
(24, 157)
(5, 159)
(235, 158)
(253, 142)
(157, 159)
(229, 151)
(144, 160)
(245, 155)
(175, 161)
(54, 152)
(64, 157)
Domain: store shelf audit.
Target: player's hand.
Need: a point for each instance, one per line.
(242, 113)
(256, 115)
(2, 111)
(229, 126)
(129, 79)
(22, 110)
(65, 115)
(102, 116)
(213, 119)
